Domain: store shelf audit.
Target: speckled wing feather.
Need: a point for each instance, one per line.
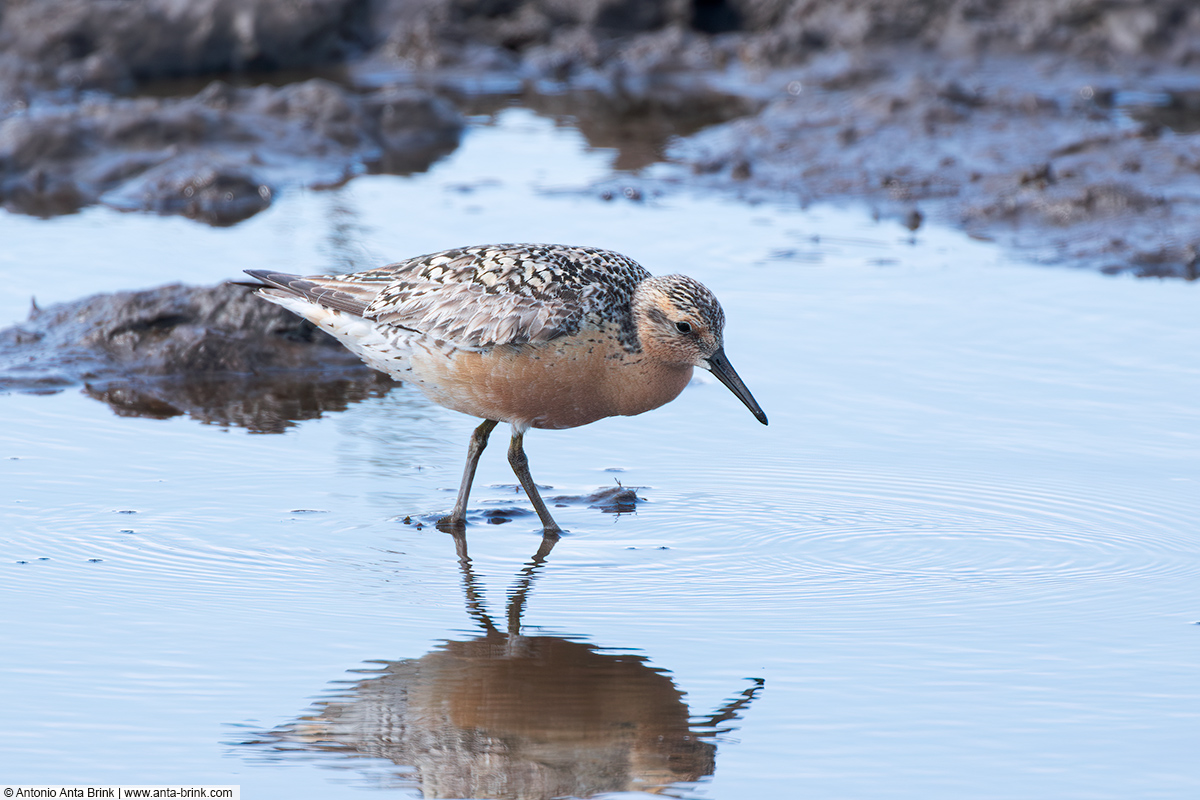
(499, 294)
(329, 292)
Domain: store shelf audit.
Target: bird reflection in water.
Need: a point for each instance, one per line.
(509, 715)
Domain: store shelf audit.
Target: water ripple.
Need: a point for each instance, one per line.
(846, 532)
(133, 553)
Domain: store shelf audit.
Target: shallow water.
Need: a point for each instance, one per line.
(962, 561)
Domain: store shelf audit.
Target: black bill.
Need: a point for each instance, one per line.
(719, 365)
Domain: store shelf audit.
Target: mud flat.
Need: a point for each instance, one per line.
(1062, 128)
(1067, 165)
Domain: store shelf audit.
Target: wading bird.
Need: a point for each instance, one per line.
(538, 336)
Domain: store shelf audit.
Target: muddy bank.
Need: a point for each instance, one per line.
(1066, 165)
(218, 156)
(1064, 128)
(113, 45)
(218, 354)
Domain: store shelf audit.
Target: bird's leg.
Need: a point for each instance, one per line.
(520, 465)
(479, 440)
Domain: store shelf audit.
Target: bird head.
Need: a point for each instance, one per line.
(679, 321)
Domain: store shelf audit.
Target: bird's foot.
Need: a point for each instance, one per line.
(451, 524)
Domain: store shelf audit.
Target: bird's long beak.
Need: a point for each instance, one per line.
(719, 365)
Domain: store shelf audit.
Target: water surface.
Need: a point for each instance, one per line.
(962, 561)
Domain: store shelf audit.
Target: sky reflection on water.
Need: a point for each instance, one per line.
(963, 559)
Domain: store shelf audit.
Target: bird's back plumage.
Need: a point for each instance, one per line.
(475, 297)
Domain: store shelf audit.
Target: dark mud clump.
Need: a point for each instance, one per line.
(218, 354)
(609, 499)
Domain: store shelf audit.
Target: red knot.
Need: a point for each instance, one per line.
(535, 335)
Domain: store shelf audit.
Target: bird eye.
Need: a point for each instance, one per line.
(683, 327)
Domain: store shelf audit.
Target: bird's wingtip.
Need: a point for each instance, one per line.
(269, 279)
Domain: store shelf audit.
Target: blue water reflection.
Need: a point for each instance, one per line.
(964, 558)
